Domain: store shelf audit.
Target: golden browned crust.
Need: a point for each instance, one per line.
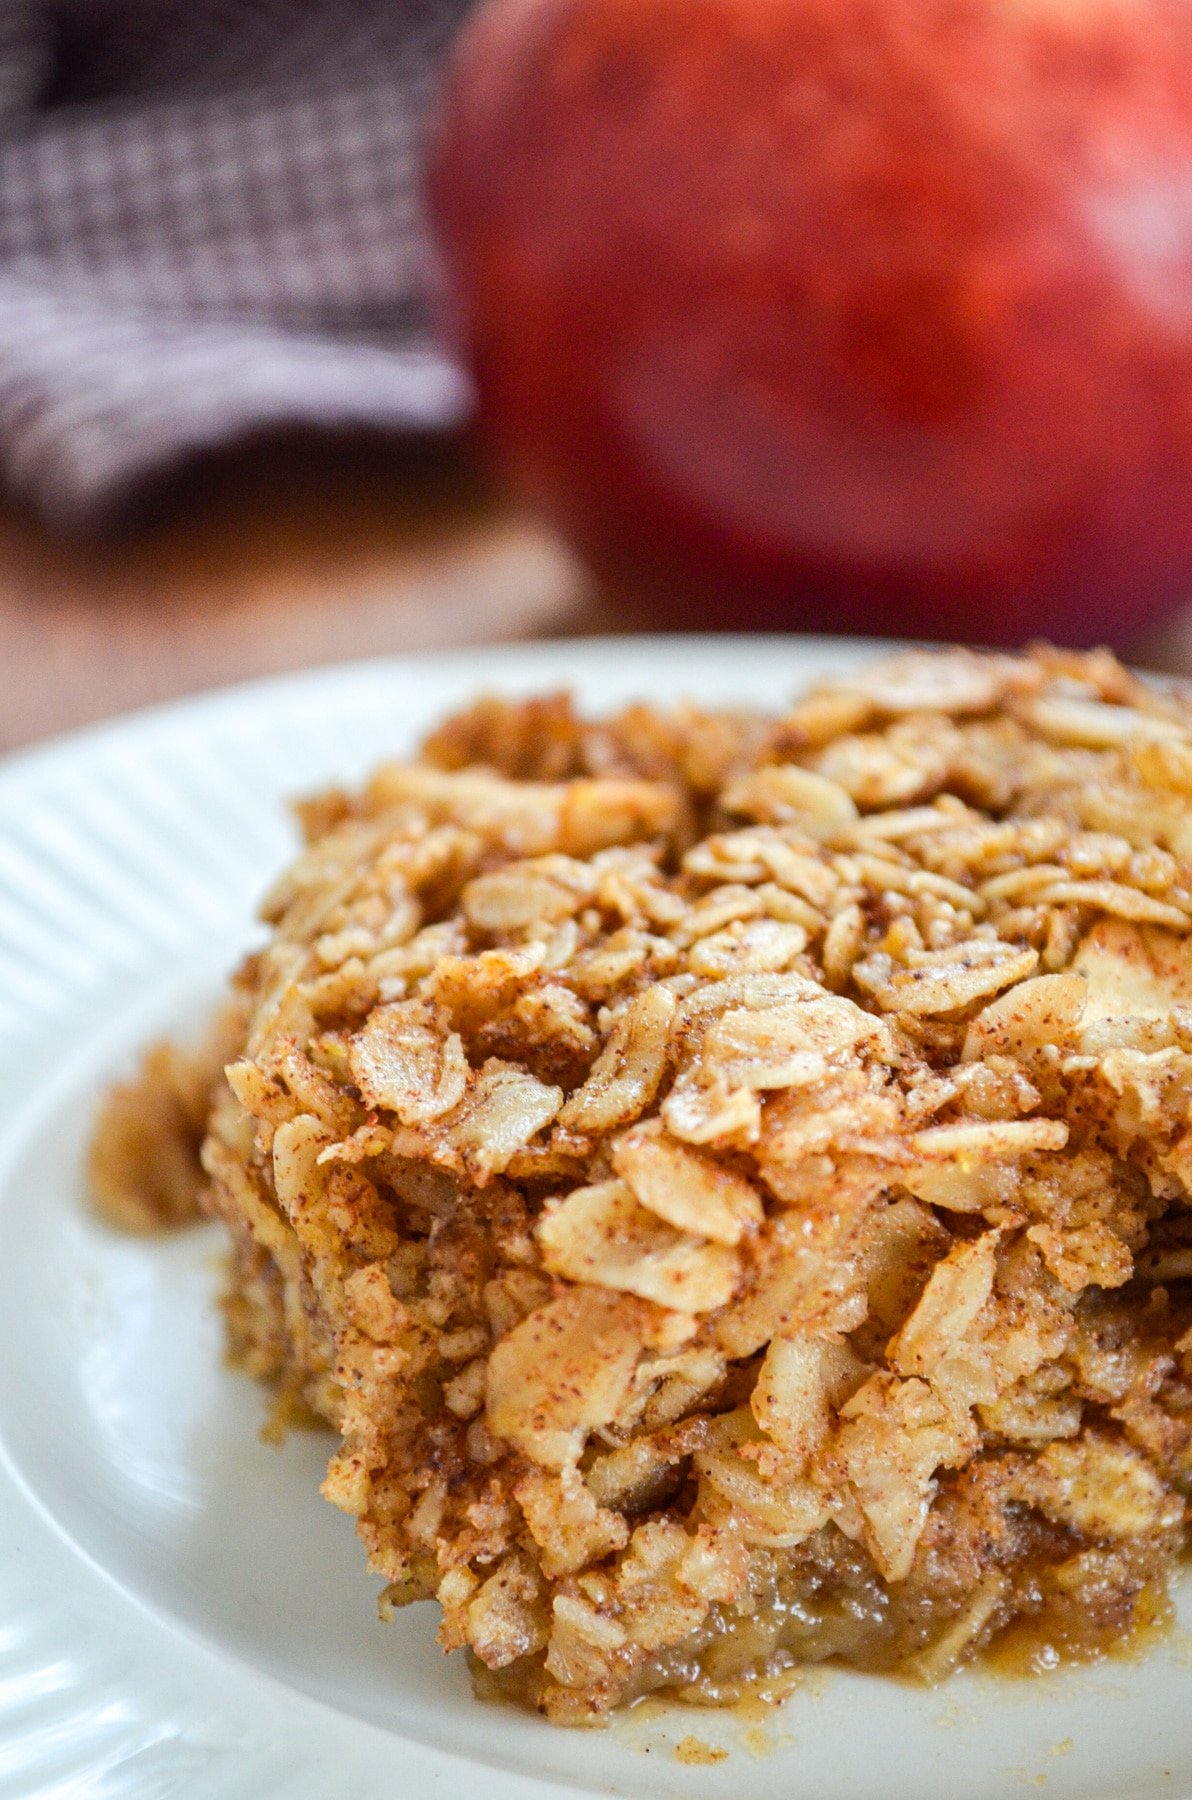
(726, 1179)
(143, 1166)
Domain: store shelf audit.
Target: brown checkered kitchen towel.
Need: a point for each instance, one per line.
(210, 222)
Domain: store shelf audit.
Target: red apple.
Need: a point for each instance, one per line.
(865, 314)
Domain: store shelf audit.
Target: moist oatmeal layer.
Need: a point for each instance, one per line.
(726, 1177)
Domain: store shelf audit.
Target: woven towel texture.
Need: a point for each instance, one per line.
(211, 223)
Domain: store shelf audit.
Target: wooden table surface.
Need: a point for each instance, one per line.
(270, 559)
(280, 557)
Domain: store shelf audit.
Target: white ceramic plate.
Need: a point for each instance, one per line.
(180, 1613)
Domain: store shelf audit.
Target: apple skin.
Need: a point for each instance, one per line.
(867, 315)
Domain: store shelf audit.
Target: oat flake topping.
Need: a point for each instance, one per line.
(725, 1178)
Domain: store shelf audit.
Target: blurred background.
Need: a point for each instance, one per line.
(644, 357)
